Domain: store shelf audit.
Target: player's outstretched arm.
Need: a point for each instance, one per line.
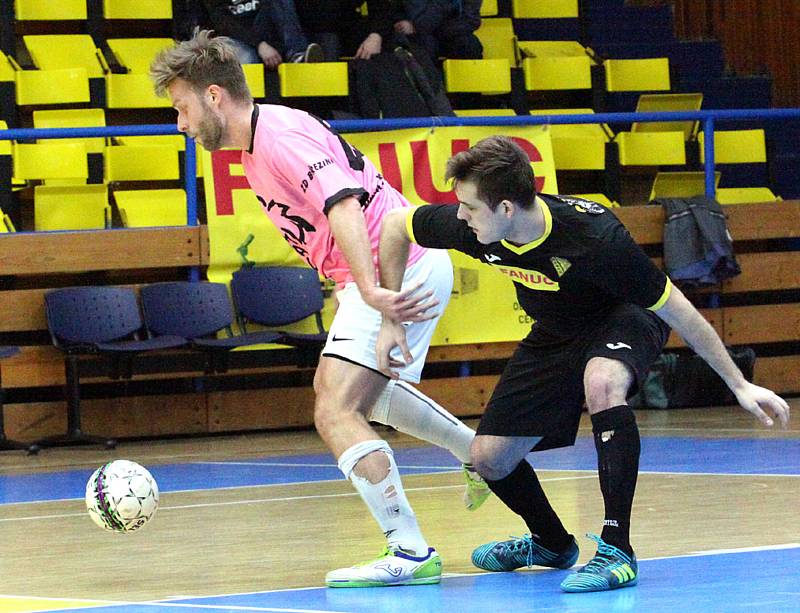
(687, 321)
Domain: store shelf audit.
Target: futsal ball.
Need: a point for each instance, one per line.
(121, 496)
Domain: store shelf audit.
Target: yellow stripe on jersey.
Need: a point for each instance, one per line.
(664, 296)
(410, 224)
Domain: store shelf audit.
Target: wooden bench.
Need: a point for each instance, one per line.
(759, 308)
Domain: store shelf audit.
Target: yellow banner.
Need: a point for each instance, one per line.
(413, 161)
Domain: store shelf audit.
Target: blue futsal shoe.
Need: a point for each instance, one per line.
(499, 556)
(609, 569)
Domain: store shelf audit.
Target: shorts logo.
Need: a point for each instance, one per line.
(618, 346)
(340, 338)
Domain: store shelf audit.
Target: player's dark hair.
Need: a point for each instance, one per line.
(500, 170)
(201, 61)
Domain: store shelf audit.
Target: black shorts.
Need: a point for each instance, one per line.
(540, 392)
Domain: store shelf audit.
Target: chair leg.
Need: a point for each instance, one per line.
(6, 443)
(74, 434)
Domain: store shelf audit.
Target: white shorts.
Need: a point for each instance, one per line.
(354, 330)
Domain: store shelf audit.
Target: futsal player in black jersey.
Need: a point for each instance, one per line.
(602, 313)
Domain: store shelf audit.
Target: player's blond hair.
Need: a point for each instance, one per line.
(201, 61)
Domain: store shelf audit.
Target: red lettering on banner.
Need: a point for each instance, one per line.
(390, 167)
(423, 179)
(224, 181)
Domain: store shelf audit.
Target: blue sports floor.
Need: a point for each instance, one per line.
(762, 577)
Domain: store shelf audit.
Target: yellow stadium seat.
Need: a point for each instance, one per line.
(325, 79)
(34, 87)
(132, 91)
(651, 148)
(577, 146)
(151, 207)
(544, 9)
(736, 146)
(73, 118)
(254, 75)
(498, 39)
(141, 163)
(484, 112)
(72, 207)
(488, 8)
(484, 76)
(554, 72)
(136, 54)
(6, 225)
(551, 48)
(37, 10)
(745, 195)
(173, 140)
(5, 145)
(651, 74)
(600, 198)
(61, 51)
(650, 103)
(597, 131)
(51, 160)
(137, 9)
(683, 184)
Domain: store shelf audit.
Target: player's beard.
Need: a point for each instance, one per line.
(211, 131)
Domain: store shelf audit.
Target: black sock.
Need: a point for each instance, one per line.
(523, 494)
(616, 438)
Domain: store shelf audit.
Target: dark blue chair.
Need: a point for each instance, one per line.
(104, 321)
(198, 311)
(5, 443)
(275, 296)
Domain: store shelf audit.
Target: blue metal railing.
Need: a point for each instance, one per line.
(707, 118)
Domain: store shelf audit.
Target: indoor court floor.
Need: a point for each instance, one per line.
(253, 522)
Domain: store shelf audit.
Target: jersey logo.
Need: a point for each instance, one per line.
(585, 206)
(560, 264)
(491, 257)
(615, 346)
(532, 279)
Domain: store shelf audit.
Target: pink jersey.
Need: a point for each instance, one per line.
(299, 169)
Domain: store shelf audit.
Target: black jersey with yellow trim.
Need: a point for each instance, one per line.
(584, 264)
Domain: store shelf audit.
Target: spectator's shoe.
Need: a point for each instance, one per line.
(477, 491)
(609, 569)
(501, 556)
(312, 55)
(392, 567)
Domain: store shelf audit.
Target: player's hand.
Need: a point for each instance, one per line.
(404, 26)
(410, 304)
(369, 47)
(269, 55)
(392, 334)
(755, 399)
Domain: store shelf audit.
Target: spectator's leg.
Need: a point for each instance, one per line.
(245, 53)
(283, 19)
(330, 43)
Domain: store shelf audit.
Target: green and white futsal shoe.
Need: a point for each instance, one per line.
(392, 567)
(477, 490)
(610, 569)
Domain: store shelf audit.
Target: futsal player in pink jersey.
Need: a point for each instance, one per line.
(328, 201)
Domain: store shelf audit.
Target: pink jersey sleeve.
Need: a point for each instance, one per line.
(315, 169)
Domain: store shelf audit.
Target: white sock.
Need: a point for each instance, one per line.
(408, 410)
(386, 499)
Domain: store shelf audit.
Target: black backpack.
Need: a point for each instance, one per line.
(402, 83)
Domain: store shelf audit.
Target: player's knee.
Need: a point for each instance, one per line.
(606, 384)
(487, 462)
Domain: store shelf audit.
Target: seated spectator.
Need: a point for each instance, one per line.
(340, 28)
(443, 27)
(265, 31)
